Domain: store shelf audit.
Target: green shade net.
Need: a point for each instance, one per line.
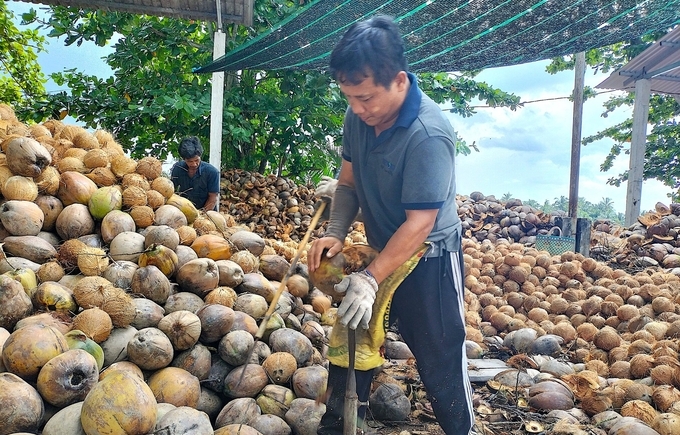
(451, 35)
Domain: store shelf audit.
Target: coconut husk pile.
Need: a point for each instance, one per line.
(176, 296)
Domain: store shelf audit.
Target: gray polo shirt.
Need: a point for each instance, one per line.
(409, 166)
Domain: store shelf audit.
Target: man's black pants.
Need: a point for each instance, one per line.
(429, 310)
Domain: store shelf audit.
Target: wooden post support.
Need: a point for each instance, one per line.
(577, 122)
(637, 150)
(583, 227)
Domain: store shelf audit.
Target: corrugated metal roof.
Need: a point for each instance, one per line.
(236, 11)
(660, 63)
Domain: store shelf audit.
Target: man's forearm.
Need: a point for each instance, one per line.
(344, 209)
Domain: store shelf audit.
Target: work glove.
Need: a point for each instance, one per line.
(356, 307)
(326, 187)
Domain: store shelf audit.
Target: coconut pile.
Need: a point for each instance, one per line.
(123, 309)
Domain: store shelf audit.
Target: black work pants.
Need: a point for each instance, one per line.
(429, 310)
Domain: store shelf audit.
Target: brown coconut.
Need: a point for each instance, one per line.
(222, 295)
(187, 235)
(154, 199)
(19, 188)
(95, 323)
(122, 165)
(164, 186)
(67, 254)
(48, 181)
(134, 196)
(640, 410)
(102, 176)
(120, 307)
(95, 158)
(607, 338)
(142, 215)
(92, 261)
(280, 367)
(150, 167)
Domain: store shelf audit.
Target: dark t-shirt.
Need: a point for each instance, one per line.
(196, 188)
(409, 166)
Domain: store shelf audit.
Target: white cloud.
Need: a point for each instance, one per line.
(528, 152)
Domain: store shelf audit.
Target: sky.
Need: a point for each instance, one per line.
(526, 153)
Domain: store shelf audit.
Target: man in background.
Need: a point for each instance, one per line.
(196, 180)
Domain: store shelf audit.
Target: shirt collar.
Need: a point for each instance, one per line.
(411, 107)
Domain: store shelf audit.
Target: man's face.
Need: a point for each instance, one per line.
(193, 162)
(376, 105)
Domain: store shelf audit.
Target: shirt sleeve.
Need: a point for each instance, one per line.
(214, 181)
(428, 172)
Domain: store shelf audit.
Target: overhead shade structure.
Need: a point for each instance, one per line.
(236, 11)
(657, 69)
(455, 35)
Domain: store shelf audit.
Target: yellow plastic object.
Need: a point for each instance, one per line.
(368, 341)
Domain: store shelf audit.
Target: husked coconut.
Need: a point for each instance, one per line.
(27, 157)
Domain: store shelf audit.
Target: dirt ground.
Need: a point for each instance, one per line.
(499, 415)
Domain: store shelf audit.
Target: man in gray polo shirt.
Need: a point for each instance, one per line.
(398, 167)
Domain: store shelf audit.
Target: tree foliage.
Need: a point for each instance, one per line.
(663, 138)
(283, 122)
(20, 74)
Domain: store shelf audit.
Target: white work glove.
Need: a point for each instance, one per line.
(326, 187)
(357, 306)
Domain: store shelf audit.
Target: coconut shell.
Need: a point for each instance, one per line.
(120, 307)
(249, 385)
(216, 321)
(120, 403)
(20, 188)
(164, 186)
(176, 386)
(238, 411)
(71, 164)
(74, 221)
(95, 158)
(170, 215)
(389, 403)
(26, 417)
(150, 349)
(187, 235)
(95, 323)
(27, 157)
(92, 261)
(154, 199)
(122, 165)
(309, 382)
(235, 347)
(21, 218)
(150, 167)
(182, 327)
(102, 176)
(275, 400)
(222, 295)
(280, 367)
(203, 225)
(293, 342)
(640, 410)
(247, 240)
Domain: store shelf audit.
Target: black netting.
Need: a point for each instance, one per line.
(457, 35)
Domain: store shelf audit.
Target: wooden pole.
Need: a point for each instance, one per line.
(576, 127)
(637, 150)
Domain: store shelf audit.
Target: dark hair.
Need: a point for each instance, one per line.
(371, 46)
(190, 147)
